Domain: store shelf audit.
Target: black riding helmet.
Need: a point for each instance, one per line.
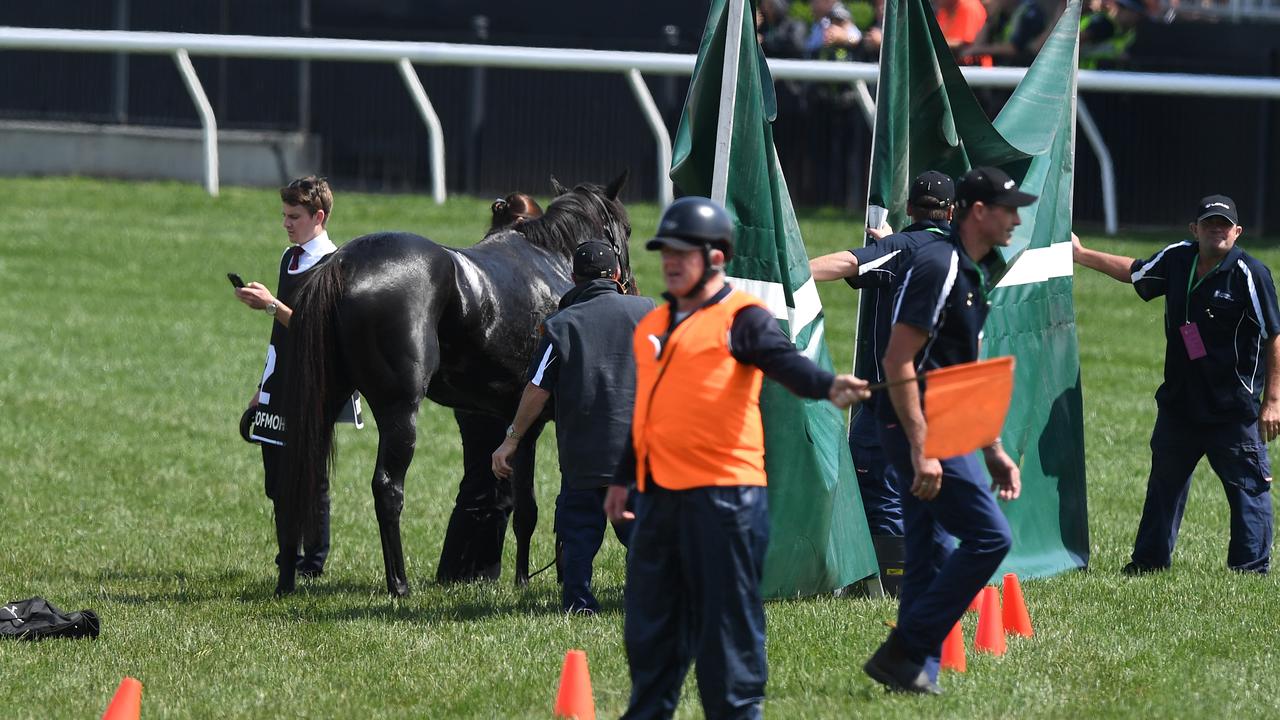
(694, 222)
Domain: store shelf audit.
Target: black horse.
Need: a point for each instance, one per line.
(400, 318)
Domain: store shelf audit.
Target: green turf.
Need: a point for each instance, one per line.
(125, 488)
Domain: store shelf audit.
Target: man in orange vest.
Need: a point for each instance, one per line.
(697, 460)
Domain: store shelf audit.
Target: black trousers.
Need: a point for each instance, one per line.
(473, 541)
(315, 550)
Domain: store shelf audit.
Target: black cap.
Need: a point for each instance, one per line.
(1217, 205)
(991, 186)
(594, 259)
(932, 189)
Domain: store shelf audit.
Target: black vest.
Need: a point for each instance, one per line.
(269, 424)
(595, 389)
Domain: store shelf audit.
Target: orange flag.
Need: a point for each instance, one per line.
(965, 406)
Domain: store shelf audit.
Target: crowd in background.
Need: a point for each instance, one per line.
(825, 154)
(980, 32)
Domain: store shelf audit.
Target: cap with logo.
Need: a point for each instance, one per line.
(932, 189)
(594, 259)
(1220, 205)
(991, 186)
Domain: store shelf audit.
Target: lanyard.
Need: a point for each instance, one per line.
(982, 278)
(1191, 286)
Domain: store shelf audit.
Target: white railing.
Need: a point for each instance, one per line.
(632, 65)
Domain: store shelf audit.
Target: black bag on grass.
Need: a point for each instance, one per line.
(36, 619)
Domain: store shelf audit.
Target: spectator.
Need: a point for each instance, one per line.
(961, 21)
(780, 34)
(1106, 37)
(833, 34)
(1010, 34)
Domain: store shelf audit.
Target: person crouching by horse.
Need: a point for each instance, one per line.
(697, 460)
(307, 203)
(472, 548)
(584, 359)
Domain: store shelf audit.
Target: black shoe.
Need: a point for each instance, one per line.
(1134, 569)
(891, 667)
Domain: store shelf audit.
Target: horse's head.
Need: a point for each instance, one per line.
(587, 212)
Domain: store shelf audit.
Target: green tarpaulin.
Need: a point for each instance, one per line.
(819, 538)
(928, 119)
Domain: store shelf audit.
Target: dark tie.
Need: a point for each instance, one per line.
(295, 252)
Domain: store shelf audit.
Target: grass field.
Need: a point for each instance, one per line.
(125, 488)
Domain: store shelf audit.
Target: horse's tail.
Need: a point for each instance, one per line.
(314, 392)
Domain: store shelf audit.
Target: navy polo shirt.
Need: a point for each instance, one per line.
(880, 265)
(944, 293)
(1234, 309)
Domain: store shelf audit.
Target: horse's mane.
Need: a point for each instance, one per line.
(583, 213)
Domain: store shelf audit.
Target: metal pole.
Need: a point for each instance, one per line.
(304, 71)
(1105, 167)
(435, 132)
(660, 135)
(728, 98)
(208, 123)
(475, 111)
(120, 104)
(866, 102)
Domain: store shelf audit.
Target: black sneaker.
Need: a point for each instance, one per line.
(891, 667)
(1133, 569)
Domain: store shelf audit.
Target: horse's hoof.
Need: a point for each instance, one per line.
(286, 582)
(522, 580)
(399, 590)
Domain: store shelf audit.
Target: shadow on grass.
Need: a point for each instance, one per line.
(338, 599)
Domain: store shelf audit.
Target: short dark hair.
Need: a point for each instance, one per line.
(937, 214)
(310, 192)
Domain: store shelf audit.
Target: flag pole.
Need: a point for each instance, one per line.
(728, 97)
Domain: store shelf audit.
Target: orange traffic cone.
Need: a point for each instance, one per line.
(953, 650)
(1016, 618)
(126, 704)
(574, 698)
(975, 604)
(990, 637)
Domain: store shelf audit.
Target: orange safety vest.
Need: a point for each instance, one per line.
(697, 415)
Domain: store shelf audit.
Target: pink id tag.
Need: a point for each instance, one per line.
(1191, 338)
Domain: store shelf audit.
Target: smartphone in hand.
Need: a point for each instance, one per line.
(236, 282)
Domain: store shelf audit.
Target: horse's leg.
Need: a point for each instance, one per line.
(472, 547)
(397, 437)
(526, 503)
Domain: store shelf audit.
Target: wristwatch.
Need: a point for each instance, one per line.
(511, 432)
(270, 309)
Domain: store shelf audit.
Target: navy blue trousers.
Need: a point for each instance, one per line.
(580, 524)
(939, 583)
(693, 594)
(877, 480)
(1239, 457)
(314, 550)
